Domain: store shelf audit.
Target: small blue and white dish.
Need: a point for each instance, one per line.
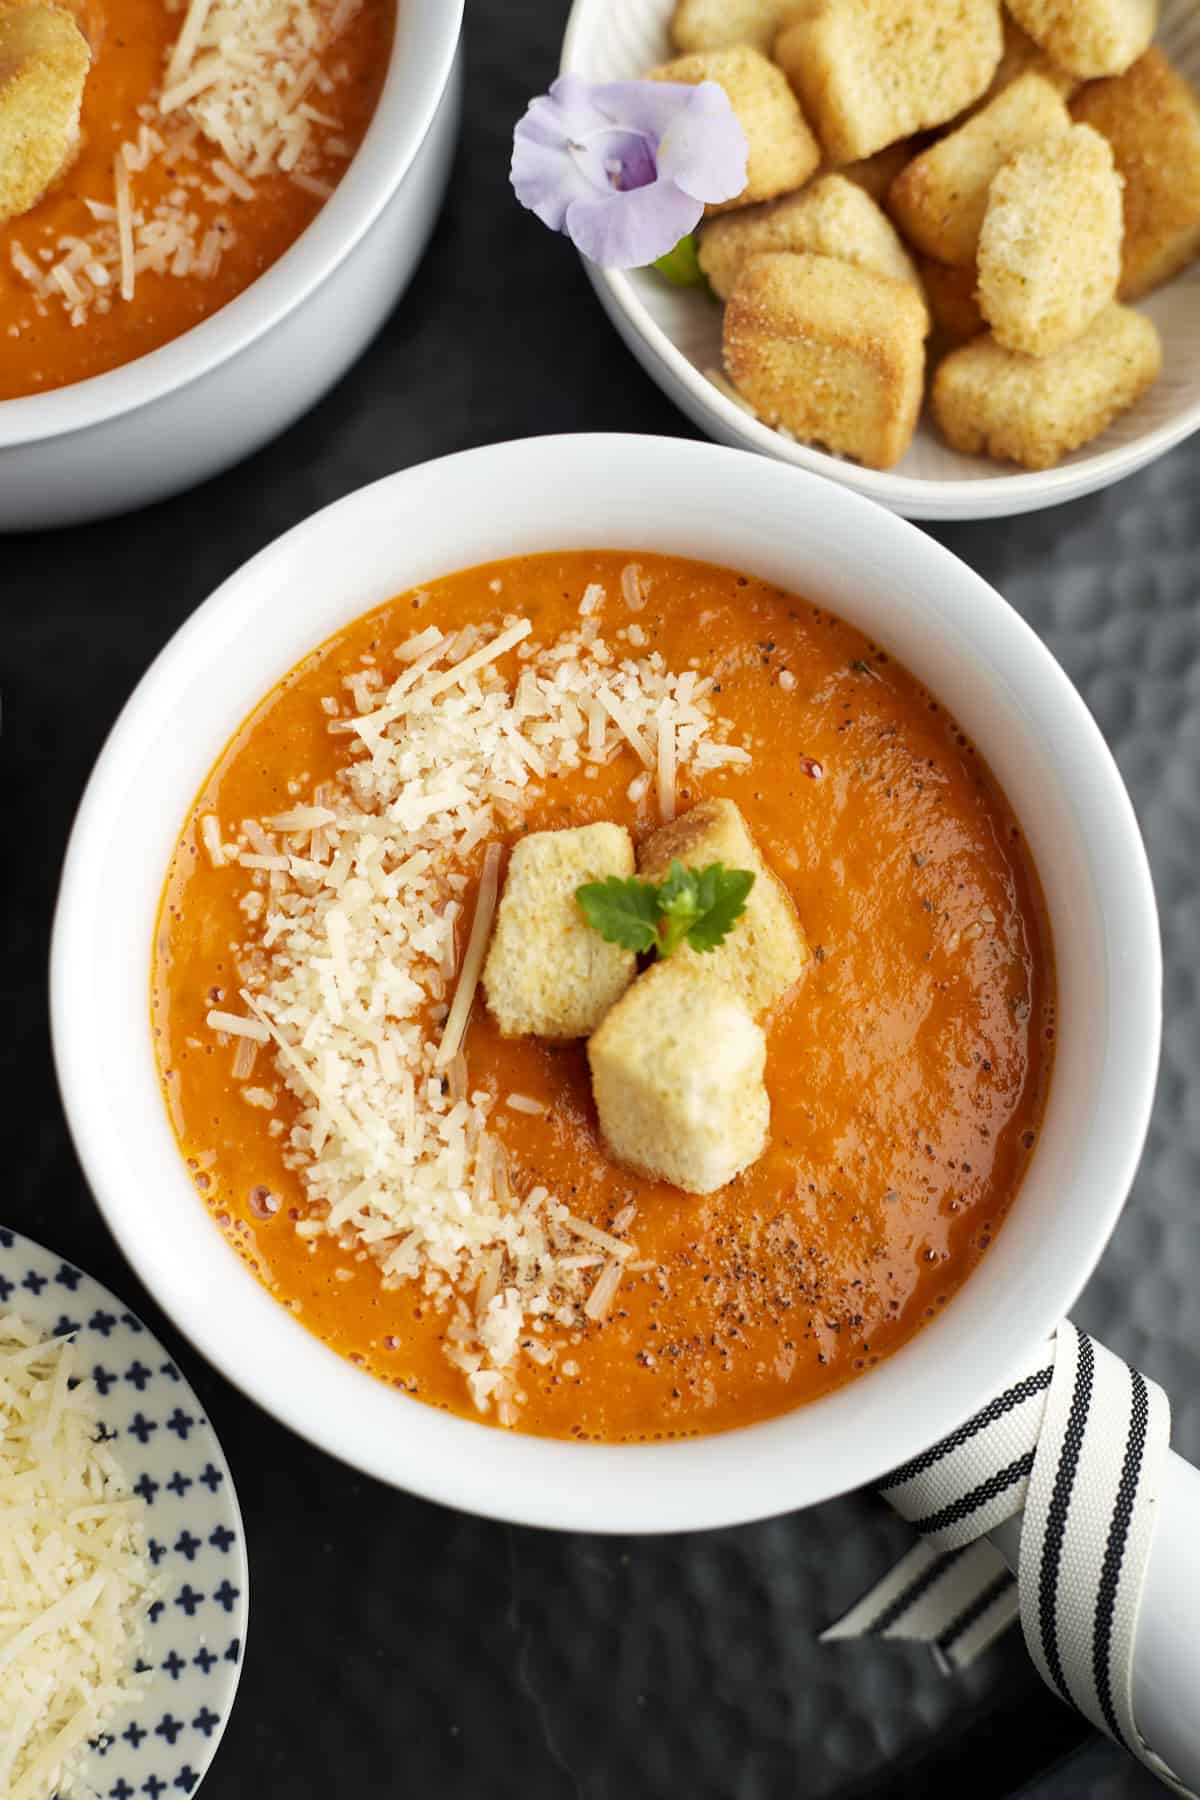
(195, 1635)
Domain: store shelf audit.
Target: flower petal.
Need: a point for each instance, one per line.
(566, 148)
(626, 167)
(703, 150)
(630, 230)
(641, 105)
(568, 112)
(548, 180)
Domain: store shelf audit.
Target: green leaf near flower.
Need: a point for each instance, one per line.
(681, 266)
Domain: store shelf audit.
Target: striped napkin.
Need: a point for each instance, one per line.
(1076, 1442)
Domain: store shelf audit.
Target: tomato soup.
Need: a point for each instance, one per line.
(907, 1070)
(207, 213)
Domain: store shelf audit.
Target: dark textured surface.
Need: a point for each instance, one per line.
(398, 1647)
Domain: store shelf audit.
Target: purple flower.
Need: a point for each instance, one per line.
(626, 168)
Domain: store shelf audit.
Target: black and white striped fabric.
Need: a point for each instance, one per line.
(1076, 1442)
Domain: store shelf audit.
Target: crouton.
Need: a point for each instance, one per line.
(548, 974)
(830, 217)
(875, 174)
(1021, 56)
(1050, 246)
(44, 61)
(1151, 117)
(871, 71)
(951, 297)
(717, 24)
(939, 198)
(677, 1074)
(766, 952)
(782, 150)
(1088, 37)
(992, 402)
(833, 353)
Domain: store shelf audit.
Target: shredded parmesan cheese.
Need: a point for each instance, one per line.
(351, 968)
(631, 587)
(124, 226)
(604, 1240)
(312, 184)
(237, 184)
(666, 767)
(468, 980)
(236, 1026)
(184, 50)
(625, 725)
(74, 1579)
(598, 1304)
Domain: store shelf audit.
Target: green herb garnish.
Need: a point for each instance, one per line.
(695, 906)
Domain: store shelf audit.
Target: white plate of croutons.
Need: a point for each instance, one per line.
(964, 275)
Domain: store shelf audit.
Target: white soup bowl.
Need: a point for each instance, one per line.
(642, 494)
(212, 395)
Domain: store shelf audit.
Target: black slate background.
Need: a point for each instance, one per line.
(396, 1646)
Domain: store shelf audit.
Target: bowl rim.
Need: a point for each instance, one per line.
(424, 44)
(725, 1478)
(915, 496)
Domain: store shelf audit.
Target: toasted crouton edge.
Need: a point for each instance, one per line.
(787, 311)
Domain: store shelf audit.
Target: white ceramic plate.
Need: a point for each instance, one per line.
(196, 1630)
(676, 333)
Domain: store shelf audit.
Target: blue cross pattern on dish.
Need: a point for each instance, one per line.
(161, 1746)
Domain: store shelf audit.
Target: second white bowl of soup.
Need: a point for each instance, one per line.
(959, 1067)
(251, 194)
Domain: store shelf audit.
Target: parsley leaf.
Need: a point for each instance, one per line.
(695, 906)
(723, 896)
(680, 906)
(624, 912)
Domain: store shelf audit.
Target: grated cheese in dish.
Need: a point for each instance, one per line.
(74, 1579)
(352, 965)
(236, 103)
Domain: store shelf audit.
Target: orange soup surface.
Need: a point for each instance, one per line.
(907, 1070)
(206, 217)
